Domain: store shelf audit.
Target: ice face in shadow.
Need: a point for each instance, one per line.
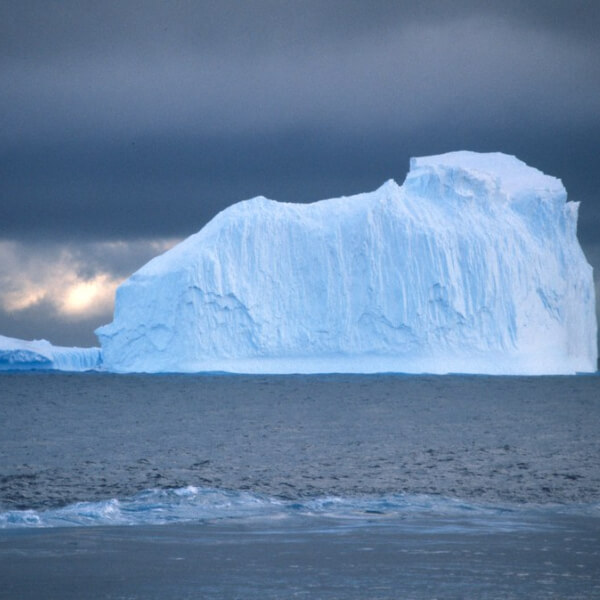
(23, 355)
(472, 265)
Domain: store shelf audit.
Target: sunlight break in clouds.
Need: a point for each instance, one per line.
(77, 283)
(57, 280)
(87, 296)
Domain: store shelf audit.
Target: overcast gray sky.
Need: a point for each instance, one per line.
(127, 125)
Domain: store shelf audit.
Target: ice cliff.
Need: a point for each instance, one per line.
(22, 355)
(472, 265)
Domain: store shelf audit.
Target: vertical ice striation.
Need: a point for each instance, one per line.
(472, 265)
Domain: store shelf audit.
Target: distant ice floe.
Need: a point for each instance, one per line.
(22, 355)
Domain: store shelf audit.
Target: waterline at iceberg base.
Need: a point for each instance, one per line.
(472, 265)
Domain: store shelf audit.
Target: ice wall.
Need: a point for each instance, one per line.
(23, 355)
(472, 265)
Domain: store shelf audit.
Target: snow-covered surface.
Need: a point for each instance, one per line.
(26, 355)
(472, 265)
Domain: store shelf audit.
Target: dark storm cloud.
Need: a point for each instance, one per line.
(170, 186)
(37, 28)
(273, 73)
(142, 119)
(112, 111)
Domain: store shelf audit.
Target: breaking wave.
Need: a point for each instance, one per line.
(196, 504)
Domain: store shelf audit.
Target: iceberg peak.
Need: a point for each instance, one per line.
(490, 177)
(389, 186)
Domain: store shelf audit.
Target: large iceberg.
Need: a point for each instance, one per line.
(472, 266)
(24, 355)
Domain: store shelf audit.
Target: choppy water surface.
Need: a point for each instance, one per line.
(498, 476)
(73, 438)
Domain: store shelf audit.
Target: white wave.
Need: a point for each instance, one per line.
(150, 507)
(197, 504)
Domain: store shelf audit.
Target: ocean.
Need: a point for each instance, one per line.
(331, 486)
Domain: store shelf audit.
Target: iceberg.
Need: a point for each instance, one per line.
(471, 266)
(23, 355)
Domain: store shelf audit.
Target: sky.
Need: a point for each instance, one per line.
(126, 125)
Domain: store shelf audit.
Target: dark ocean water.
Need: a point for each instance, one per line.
(404, 486)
